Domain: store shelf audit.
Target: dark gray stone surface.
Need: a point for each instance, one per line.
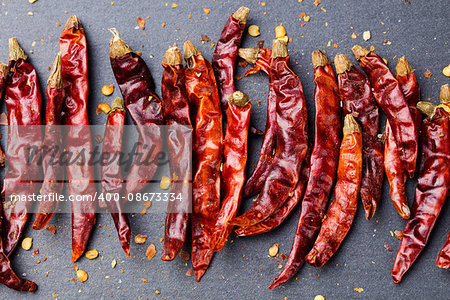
(243, 269)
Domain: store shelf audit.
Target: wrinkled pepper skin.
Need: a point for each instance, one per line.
(23, 105)
(138, 90)
(53, 173)
(3, 73)
(431, 191)
(389, 96)
(206, 114)
(74, 72)
(342, 210)
(356, 94)
(443, 260)
(176, 114)
(324, 162)
(112, 180)
(291, 140)
(226, 52)
(395, 172)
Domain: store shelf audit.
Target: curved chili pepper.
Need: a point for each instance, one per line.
(291, 139)
(204, 103)
(176, 115)
(356, 94)
(53, 173)
(3, 73)
(233, 169)
(389, 96)
(112, 181)
(432, 186)
(23, 104)
(224, 57)
(138, 90)
(392, 163)
(324, 162)
(342, 210)
(74, 72)
(443, 260)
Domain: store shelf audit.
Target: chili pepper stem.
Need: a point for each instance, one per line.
(189, 50)
(359, 51)
(250, 55)
(403, 67)
(241, 14)
(3, 70)
(350, 125)
(319, 59)
(342, 63)
(426, 108)
(15, 51)
(238, 98)
(117, 104)
(445, 93)
(172, 56)
(279, 49)
(54, 80)
(74, 23)
(117, 47)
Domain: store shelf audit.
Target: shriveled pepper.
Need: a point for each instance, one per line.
(356, 94)
(53, 172)
(389, 96)
(206, 114)
(226, 52)
(80, 175)
(176, 116)
(324, 162)
(395, 172)
(3, 73)
(291, 139)
(138, 90)
(112, 180)
(443, 260)
(432, 186)
(23, 105)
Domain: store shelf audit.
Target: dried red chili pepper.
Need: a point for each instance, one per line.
(112, 180)
(389, 96)
(204, 103)
(392, 163)
(233, 169)
(224, 57)
(23, 104)
(3, 73)
(138, 90)
(291, 139)
(176, 115)
(74, 72)
(443, 260)
(53, 172)
(432, 186)
(356, 94)
(324, 162)
(342, 210)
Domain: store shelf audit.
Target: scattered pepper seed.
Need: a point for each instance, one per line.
(107, 90)
(82, 275)
(103, 107)
(206, 11)
(205, 38)
(353, 35)
(144, 280)
(319, 297)
(27, 243)
(427, 74)
(189, 273)
(174, 5)
(366, 35)
(306, 18)
(113, 263)
(446, 71)
(253, 30)
(30, 13)
(398, 234)
(157, 292)
(36, 251)
(280, 31)
(141, 22)
(273, 251)
(140, 238)
(359, 290)
(165, 183)
(150, 252)
(92, 254)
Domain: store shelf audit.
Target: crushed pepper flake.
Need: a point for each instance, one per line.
(359, 290)
(387, 247)
(398, 234)
(174, 5)
(323, 9)
(150, 252)
(141, 22)
(353, 35)
(140, 238)
(317, 2)
(51, 229)
(189, 273)
(206, 10)
(205, 38)
(427, 74)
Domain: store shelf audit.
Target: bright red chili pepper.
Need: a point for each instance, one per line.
(204, 103)
(356, 94)
(179, 130)
(432, 186)
(53, 172)
(138, 90)
(74, 72)
(233, 169)
(112, 180)
(443, 260)
(224, 57)
(291, 139)
(389, 96)
(324, 162)
(342, 210)
(395, 172)
(23, 104)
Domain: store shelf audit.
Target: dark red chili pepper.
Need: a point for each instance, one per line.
(53, 172)
(176, 116)
(233, 169)
(356, 94)
(389, 96)
(432, 186)
(224, 57)
(204, 103)
(324, 162)
(74, 72)
(112, 180)
(443, 260)
(138, 90)
(23, 104)
(342, 210)
(291, 139)
(3, 73)
(395, 172)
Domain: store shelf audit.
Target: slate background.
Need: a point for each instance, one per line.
(243, 269)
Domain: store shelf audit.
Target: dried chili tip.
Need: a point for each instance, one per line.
(242, 14)
(350, 125)
(360, 51)
(279, 48)
(172, 56)
(403, 67)
(190, 50)
(15, 51)
(239, 98)
(250, 55)
(117, 47)
(74, 23)
(319, 59)
(342, 63)
(117, 104)
(54, 79)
